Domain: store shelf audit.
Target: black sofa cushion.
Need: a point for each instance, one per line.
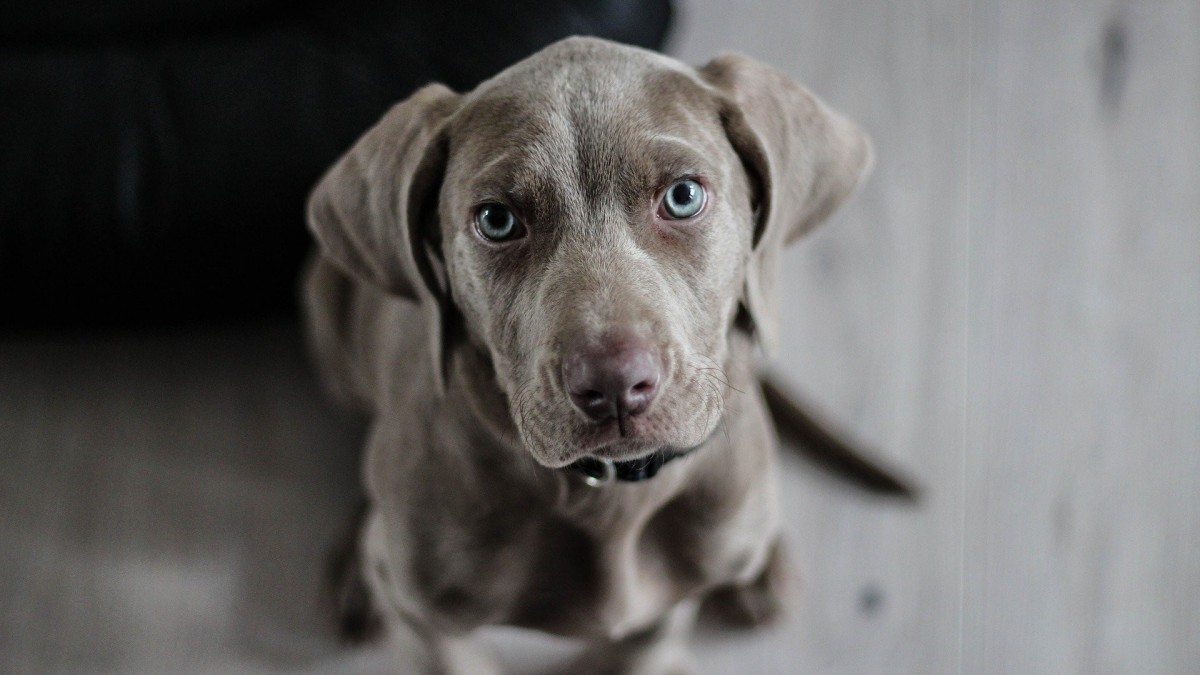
(155, 157)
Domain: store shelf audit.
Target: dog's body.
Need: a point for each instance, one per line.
(604, 331)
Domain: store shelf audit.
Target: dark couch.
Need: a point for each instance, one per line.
(155, 156)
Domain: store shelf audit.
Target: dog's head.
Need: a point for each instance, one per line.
(599, 219)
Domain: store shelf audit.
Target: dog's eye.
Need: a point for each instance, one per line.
(496, 223)
(683, 199)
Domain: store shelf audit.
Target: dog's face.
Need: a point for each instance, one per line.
(597, 215)
(595, 211)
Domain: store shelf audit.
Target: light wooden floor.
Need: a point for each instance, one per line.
(1010, 307)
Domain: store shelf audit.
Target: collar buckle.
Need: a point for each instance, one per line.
(596, 472)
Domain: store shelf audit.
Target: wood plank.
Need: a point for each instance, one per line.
(168, 502)
(1084, 323)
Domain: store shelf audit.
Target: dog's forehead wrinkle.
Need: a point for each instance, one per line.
(681, 145)
(498, 170)
(588, 123)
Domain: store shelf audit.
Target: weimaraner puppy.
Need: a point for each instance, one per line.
(547, 294)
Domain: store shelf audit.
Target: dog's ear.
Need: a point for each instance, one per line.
(804, 160)
(374, 213)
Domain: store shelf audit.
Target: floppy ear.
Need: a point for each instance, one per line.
(374, 213)
(804, 160)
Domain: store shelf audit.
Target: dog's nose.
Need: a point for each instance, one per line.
(615, 380)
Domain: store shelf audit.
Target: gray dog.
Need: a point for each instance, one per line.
(546, 293)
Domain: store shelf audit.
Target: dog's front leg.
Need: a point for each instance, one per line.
(761, 601)
(424, 651)
(659, 650)
(423, 648)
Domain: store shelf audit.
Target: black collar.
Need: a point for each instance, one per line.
(598, 472)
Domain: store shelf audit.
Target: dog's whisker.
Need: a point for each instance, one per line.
(713, 408)
(723, 377)
(723, 382)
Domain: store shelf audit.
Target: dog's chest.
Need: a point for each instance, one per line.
(608, 568)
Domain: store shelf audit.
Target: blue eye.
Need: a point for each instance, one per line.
(496, 223)
(683, 199)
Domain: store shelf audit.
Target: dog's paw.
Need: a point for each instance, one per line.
(761, 602)
(744, 607)
(357, 620)
(355, 617)
(672, 660)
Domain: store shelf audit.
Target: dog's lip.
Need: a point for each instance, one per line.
(605, 441)
(624, 450)
(608, 445)
(649, 451)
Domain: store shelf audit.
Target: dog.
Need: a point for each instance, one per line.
(547, 294)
